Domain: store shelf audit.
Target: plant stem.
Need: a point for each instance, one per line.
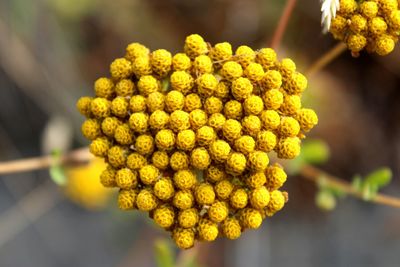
(325, 59)
(80, 155)
(283, 21)
(315, 175)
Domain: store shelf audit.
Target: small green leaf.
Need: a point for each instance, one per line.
(379, 178)
(325, 200)
(57, 174)
(163, 254)
(357, 183)
(315, 151)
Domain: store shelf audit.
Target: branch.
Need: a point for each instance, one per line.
(283, 21)
(80, 155)
(326, 58)
(314, 174)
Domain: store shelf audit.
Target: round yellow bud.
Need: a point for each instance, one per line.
(181, 81)
(216, 121)
(244, 55)
(181, 62)
(223, 189)
(155, 101)
(186, 140)
(253, 105)
(121, 68)
(358, 23)
(377, 26)
(215, 173)
(147, 84)
(202, 64)
(204, 194)
(179, 120)
(161, 62)
(119, 107)
(289, 127)
(213, 105)
(291, 104)
(245, 144)
(197, 118)
(288, 148)
(254, 72)
(184, 179)
(199, 158)
(158, 120)
(276, 202)
(256, 179)
(221, 51)
(164, 189)
(135, 50)
(146, 200)
(117, 156)
(266, 57)
(124, 135)
(100, 107)
(135, 161)
(107, 177)
(99, 147)
(139, 122)
(276, 177)
(179, 161)
(127, 199)
(184, 238)
(83, 106)
(250, 218)
(207, 230)
(296, 83)
(188, 218)
(144, 144)
(231, 228)
(241, 88)
(165, 139)
(259, 197)
(104, 87)
(126, 179)
(164, 216)
(272, 79)
(239, 198)
(273, 99)
(231, 70)
(232, 130)
(125, 87)
(195, 46)
(109, 125)
(356, 42)
(218, 211)
(160, 159)
(137, 103)
(236, 163)
(142, 66)
(258, 160)
(149, 174)
(183, 199)
(233, 110)
(384, 45)
(206, 84)
(222, 90)
(266, 141)
(192, 102)
(219, 150)
(205, 136)
(251, 125)
(307, 119)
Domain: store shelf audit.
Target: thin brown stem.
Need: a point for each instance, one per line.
(282, 24)
(80, 155)
(315, 175)
(325, 59)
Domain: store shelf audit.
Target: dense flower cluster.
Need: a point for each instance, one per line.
(187, 136)
(373, 25)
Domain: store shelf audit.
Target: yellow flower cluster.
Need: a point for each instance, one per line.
(187, 136)
(373, 25)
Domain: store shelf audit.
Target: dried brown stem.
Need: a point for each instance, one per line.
(80, 155)
(325, 59)
(315, 175)
(282, 24)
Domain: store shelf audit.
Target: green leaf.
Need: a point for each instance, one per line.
(357, 182)
(379, 178)
(164, 254)
(325, 200)
(57, 174)
(315, 151)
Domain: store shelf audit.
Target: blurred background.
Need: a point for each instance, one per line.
(51, 51)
